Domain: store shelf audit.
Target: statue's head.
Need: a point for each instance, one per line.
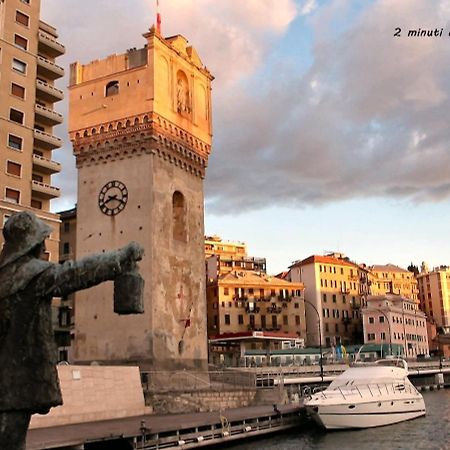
(22, 232)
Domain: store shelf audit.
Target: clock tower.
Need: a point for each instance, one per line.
(140, 124)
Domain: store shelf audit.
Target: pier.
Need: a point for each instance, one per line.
(185, 431)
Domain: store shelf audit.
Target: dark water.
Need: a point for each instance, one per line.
(431, 432)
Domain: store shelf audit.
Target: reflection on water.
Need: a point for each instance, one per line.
(431, 432)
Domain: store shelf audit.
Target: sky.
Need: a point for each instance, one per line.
(330, 133)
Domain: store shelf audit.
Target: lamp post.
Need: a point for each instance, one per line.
(320, 336)
(389, 327)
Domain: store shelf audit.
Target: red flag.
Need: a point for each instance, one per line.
(158, 18)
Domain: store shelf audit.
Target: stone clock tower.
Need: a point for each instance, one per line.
(140, 124)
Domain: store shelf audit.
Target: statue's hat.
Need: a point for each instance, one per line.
(22, 232)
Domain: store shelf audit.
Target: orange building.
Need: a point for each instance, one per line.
(28, 49)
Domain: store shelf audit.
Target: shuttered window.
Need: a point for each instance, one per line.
(13, 168)
(12, 196)
(17, 90)
(20, 42)
(22, 18)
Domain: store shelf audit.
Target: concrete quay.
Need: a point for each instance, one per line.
(153, 432)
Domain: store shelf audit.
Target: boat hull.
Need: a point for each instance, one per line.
(366, 415)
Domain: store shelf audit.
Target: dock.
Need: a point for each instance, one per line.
(181, 431)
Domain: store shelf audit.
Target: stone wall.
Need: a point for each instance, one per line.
(200, 401)
(93, 393)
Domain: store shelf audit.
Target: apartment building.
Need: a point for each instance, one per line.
(396, 320)
(434, 295)
(247, 302)
(226, 256)
(28, 48)
(335, 290)
(389, 278)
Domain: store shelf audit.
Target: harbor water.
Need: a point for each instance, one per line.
(431, 432)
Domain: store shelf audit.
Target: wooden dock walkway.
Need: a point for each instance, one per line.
(184, 431)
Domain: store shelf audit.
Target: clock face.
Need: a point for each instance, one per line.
(113, 198)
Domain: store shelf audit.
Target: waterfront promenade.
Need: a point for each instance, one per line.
(171, 431)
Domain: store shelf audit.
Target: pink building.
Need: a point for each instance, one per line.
(396, 320)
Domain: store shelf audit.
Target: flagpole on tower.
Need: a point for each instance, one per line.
(158, 18)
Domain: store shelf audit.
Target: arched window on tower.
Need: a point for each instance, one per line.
(179, 217)
(112, 88)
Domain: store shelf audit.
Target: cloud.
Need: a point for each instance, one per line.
(368, 119)
(231, 36)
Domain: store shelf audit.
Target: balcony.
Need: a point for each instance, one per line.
(48, 45)
(48, 93)
(47, 116)
(274, 310)
(48, 69)
(45, 165)
(43, 190)
(46, 140)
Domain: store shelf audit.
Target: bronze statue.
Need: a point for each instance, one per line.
(28, 376)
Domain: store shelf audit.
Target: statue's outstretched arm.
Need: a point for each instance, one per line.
(63, 279)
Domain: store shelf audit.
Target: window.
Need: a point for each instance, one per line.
(324, 298)
(371, 320)
(13, 168)
(371, 337)
(19, 66)
(334, 298)
(179, 217)
(227, 319)
(263, 322)
(17, 90)
(226, 291)
(112, 88)
(261, 293)
(66, 227)
(240, 319)
(16, 116)
(22, 18)
(336, 328)
(381, 319)
(285, 320)
(27, 2)
(15, 142)
(296, 306)
(66, 248)
(297, 320)
(12, 196)
(36, 204)
(40, 179)
(383, 335)
(327, 328)
(20, 42)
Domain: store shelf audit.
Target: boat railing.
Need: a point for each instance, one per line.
(373, 389)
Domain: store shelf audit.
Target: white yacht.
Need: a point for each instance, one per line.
(367, 396)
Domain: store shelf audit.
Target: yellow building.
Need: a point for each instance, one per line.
(434, 295)
(389, 278)
(28, 48)
(141, 127)
(248, 302)
(335, 289)
(225, 256)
